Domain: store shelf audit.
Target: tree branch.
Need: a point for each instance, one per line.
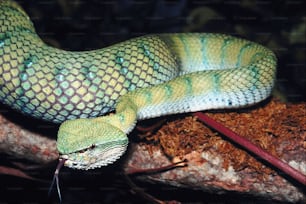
(214, 163)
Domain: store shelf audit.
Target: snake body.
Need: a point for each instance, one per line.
(141, 78)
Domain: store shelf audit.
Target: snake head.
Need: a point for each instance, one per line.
(87, 144)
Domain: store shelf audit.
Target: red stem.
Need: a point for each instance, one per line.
(252, 148)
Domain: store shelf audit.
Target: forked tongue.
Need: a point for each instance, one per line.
(56, 179)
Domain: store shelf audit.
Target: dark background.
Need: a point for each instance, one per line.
(86, 25)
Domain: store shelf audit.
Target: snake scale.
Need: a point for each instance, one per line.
(141, 78)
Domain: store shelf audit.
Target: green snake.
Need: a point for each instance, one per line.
(141, 78)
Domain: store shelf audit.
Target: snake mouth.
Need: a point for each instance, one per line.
(95, 156)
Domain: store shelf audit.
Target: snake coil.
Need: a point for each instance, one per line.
(140, 78)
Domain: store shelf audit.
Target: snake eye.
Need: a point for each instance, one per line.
(91, 147)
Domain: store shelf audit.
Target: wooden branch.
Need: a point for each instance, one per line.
(214, 164)
(23, 143)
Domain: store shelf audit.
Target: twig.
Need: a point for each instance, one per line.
(252, 148)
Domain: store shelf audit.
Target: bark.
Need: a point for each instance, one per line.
(214, 163)
(21, 142)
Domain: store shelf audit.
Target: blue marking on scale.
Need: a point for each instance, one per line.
(241, 52)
